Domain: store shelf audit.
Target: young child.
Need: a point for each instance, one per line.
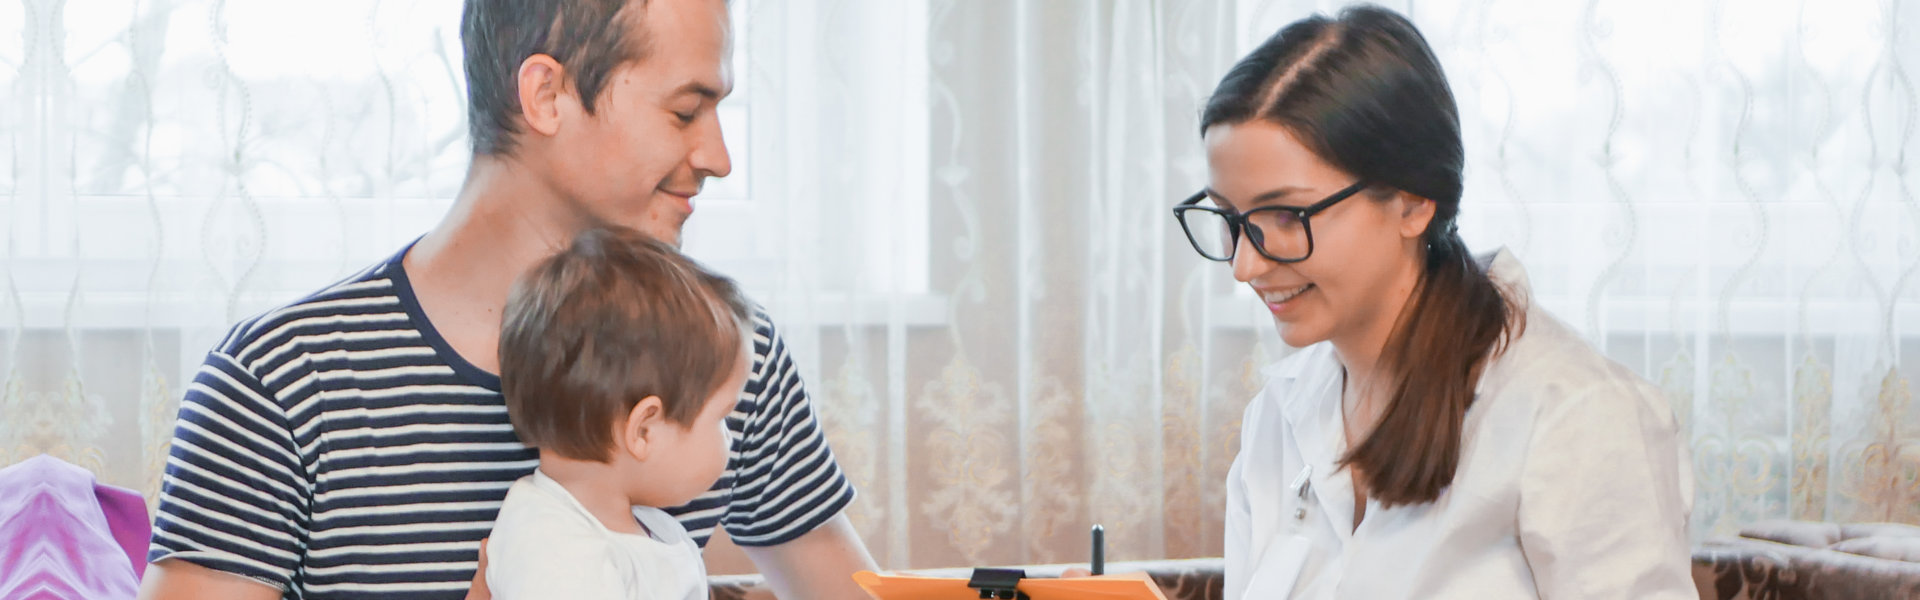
(620, 360)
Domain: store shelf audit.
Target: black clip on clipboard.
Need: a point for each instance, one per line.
(1001, 584)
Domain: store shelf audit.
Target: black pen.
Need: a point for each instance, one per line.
(1099, 550)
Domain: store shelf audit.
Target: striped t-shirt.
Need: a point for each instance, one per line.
(337, 447)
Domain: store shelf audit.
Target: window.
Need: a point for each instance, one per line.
(215, 159)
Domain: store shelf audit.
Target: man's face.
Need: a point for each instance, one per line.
(654, 136)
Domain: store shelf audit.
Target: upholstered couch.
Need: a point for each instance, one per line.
(1791, 560)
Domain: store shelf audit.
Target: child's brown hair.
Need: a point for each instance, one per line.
(614, 318)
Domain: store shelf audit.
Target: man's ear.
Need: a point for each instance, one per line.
(545, 94)
(1415, 214)
(646, 418)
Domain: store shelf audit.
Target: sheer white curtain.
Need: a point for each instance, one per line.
(957, 210)
(1721, 195)
(175, 165)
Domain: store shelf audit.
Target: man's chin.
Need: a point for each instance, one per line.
(666, 233)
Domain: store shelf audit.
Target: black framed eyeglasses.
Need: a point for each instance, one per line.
(1280, 233)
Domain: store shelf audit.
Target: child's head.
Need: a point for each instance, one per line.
(619, 350)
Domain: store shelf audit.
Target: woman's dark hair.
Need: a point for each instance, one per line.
(1364, 92)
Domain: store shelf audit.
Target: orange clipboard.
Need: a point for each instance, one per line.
(1130, 586)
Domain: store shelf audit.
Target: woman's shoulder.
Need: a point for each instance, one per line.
(1544, 353)
(1550, 366)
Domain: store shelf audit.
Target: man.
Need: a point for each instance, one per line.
(355, 443)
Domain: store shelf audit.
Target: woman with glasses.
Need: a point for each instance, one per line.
(1438, 435)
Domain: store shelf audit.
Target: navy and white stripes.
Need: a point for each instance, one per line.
(337, 447)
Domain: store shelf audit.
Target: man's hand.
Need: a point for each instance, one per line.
(175, 579)
(819, 564)
(479, 591)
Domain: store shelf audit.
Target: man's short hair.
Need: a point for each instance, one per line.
(591, 38)
(614, 318)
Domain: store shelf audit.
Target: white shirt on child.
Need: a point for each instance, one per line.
(546, 545)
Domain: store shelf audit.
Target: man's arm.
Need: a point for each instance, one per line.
(230, 506)
(786, 510)
(818, 564)
(175, 579)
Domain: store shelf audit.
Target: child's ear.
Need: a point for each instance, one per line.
(646, 417)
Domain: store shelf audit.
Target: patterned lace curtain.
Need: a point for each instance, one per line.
(957, 210)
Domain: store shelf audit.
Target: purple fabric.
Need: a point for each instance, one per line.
(126, 512)
(57, 541)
